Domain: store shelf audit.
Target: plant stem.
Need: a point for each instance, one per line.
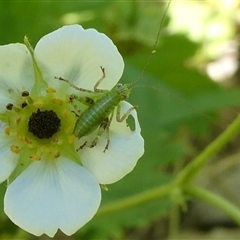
(174, 221)
(183, 179)
(138, 199)
(190, 171)
(216, 201)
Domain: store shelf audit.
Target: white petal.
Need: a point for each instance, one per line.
(16, 72)
(125, 148)
(8, 159)
(77, 54)
(52, 194)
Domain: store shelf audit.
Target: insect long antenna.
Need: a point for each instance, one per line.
(154, 46)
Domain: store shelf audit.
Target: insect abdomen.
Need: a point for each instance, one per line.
(93, 116)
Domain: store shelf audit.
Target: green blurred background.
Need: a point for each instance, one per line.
(192, 85)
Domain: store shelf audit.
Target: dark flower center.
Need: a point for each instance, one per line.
(44, 124)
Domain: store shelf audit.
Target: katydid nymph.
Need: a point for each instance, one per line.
(99, 113)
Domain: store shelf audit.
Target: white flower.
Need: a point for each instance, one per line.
(53, 186)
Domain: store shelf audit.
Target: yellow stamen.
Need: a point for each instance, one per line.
(15, 149)
(57, 101)
(7, 131)
(39, 104)
(50, 90)
(35, 157)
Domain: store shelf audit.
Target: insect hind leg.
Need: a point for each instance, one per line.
(104, 126)
(125, 115)
(74, 86)
(96, 89)
(84, 100)
(107, 132)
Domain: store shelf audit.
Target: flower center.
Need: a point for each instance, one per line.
(40, 127)
(44, 124)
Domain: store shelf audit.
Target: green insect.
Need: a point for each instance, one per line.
(100, 113)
